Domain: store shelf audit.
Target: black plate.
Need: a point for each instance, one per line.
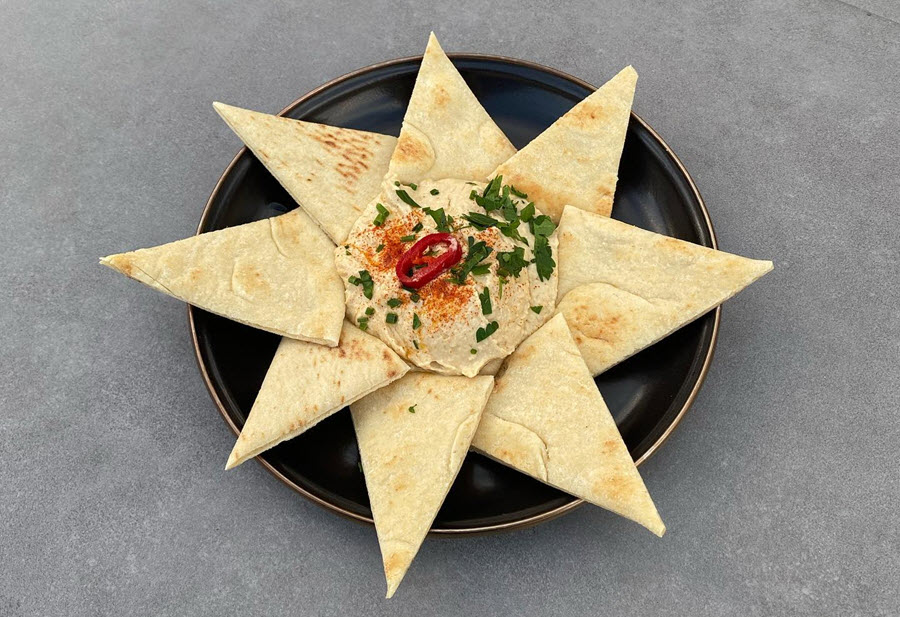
(647, 394)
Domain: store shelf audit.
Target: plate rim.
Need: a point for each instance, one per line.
(482, 529)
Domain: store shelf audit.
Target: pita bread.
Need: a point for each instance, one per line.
(547, 419)
(411, 459)
(277, 274)
(623, 288)
(576, 160)
(331, 172)
(306, 383)
(446, 132)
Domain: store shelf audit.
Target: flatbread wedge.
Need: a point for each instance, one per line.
(306, 383)
(576, 160)
(446, 132)
(623, 288)
(547, 419)
(277, 274)
(331, 172)
(413, 437)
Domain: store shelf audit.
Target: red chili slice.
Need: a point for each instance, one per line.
(430, 267)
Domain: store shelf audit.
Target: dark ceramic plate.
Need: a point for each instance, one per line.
(647, 394)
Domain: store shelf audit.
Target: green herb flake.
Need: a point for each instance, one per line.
(415, 343)
(480, 221)
(543, 257)
(517, 193)
(417, 227)
(542, 225)
(364, 279)
(412, 408)
(511, 230)
(417, 323)
(478, 252)
(473, 351)
(434, 192)
(440, 219)
(390, 318)
(502, 281)
(414, 295)
(396, 183)
(383, 213)
(363, 323)
(379, 248)
(527, 213)
(485, 298)
(370, 311)
(481, 269)
(512, 262)
(394, 302)
(413, 186)
(405, 198)
(537, 309)
(408, 238)
(483, 333)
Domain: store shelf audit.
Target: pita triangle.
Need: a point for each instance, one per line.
(306, 383)
(623, 288)
(547, 419)
(576, 160)
(413, 437)
(277, 274)
(331, 172)
(446, 132)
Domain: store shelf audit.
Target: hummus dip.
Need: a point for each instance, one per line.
(477, 310)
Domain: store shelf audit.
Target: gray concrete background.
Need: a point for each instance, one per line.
(780, 489)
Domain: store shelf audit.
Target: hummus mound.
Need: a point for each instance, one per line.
(437, 326)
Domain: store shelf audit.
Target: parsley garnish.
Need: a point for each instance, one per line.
(417, 227)
(537, 309)
(383, 213)
(527, 213)
(414, 295)
(364, 279)
(481, 269)
(391, 318)
(370, 311)
(379, 248)
(416, 321)
(503, 282)
(483, 333)
(405, 198)
(485, 298)
(394, 302)
(440, 219)
(434, 192)
(478, 252)
(517, 193)
(363, 323)
(512, 262)
(396, 183)
(542, 225)
(408, 238)
(413, 186)
(543, 257)
(412, 408)
(480, 221)
(511, 230)
(473, 351)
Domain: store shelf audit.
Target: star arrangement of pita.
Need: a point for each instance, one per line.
(620, 289)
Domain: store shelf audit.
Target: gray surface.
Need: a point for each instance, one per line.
(780, 489)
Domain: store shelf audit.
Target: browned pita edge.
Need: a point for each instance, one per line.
(576, 160)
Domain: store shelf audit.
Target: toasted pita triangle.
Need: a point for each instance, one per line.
(331, 172)
(410, 459)
(277, 274)
(576, 160)
(623, 288)
(306, 383)
(446, 132)
(547, 419)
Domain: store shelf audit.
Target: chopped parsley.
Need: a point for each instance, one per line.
(502, 281)
(440, 219)
(379, 248)
(480, 221)
(434, 192)
(511, 230)
(363, 323)
(408, 238)
(483, 333)
(405, 198)
(370, 311)
(473, 351)
(364, 279)
(478, 252)
(383, 213)
(417, 227)
(517, 193)
(396, 183)
(481, 269)
(394, 302)
(543, 257)
(390, 318)
(527, 213)
(485, 298)
(416, 321)
(412, 408)
(541, 225)
(511, 262)
(413, 186)
(537, 309)
(413, 295)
